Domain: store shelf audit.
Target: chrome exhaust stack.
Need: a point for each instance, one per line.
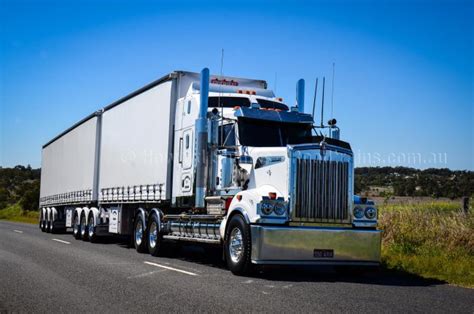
(300, 95)
(202, 141)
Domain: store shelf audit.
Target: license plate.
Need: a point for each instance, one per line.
(323, 253)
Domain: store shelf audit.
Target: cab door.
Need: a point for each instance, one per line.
(184, 148)
(187, 162)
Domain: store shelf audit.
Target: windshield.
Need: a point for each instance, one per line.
(260, 133)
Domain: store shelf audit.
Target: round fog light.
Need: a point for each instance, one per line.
(358, 212)
(267, 208)
(370, 212)
(280, 209)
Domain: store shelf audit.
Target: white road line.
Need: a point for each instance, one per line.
(57, 240)
(18, 231)
(173, 269)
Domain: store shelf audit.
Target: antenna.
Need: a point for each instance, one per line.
(315, 93)
(275, 83)
(221, 135)
(322, 102)
(332, 91)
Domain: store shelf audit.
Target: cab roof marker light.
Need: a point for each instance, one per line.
(272, 195)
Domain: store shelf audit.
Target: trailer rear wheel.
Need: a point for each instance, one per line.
(237, 246)
(91, 229)
(48, 226)
(51, 227)
(139, 238)
(75, 228)
(43, 225)
(154, 237)
(83, 228)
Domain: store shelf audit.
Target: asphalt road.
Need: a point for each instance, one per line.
(42, 272)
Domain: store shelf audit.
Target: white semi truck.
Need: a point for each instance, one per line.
(210, 159)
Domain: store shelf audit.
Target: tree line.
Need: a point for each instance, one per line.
(21, 185)
(414, 182)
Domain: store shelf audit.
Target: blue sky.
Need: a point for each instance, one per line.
(404, 82)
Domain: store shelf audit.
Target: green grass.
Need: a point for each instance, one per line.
(433, 240)
(16, 213)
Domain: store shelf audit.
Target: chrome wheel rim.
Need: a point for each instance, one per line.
(236, 247)
(83, 226)
(90, 227)
(76, 226)
(139, 232)
(153, 235)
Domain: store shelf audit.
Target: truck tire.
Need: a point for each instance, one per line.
(76, 227)
(139, 236)
(43, 225)
(155, 238)
(237, 246)
(83, 227)
(91, 229)
(51, 228)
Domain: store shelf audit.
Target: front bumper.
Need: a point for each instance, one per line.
(297, 245)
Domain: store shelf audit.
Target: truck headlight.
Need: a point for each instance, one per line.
(266, 208)
(370, 212)
(279, 209)
(358, 212)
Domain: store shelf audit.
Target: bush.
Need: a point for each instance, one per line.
(434, 240)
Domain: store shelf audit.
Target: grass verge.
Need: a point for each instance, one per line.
(433, 240)
(16, 213)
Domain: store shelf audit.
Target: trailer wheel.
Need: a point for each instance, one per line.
(83, 228)
(43, 225)
(48, 226)
(75, 228)
(237, 246)
(91, 229)
(51, 227)
(154, 236)
(139, 238)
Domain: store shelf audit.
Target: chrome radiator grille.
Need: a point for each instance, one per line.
(321, 190)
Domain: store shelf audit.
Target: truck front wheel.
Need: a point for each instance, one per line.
(237, 246)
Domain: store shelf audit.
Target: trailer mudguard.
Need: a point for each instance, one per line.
(95, 214)
(159, 214)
